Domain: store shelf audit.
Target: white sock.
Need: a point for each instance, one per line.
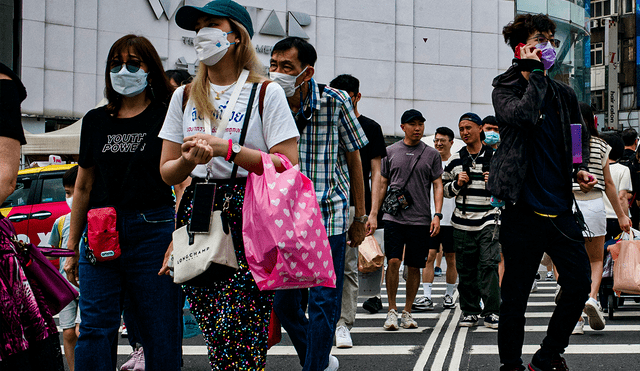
(426, 287)
(451, 287)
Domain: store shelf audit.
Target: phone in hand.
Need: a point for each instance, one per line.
(519, 46)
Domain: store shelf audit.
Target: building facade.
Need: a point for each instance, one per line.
(439, 57)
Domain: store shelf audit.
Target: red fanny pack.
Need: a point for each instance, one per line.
(103, 237)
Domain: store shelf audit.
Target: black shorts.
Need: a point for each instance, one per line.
(416, 239)
(445, 237)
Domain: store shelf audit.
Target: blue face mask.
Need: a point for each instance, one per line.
(491, 137)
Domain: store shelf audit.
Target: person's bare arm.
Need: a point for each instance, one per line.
(376, 178)
(438, 194)
(610, 191)
(9, 165)
(79, 209)
(354, 164)
(372, 223)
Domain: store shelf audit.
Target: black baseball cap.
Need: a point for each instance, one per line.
(410, 115)
(470, 116)
(187, 16)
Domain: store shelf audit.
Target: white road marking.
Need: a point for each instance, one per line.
(443, 348)
(428, 347)
(608, 328)
(571, 349)
(356, 350)
(456, 357)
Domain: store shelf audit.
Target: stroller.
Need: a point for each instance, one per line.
(608, 299)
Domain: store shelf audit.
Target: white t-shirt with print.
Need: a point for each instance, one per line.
(276, 126)
(448, 204)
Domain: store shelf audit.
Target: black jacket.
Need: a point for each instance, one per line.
(517, 103)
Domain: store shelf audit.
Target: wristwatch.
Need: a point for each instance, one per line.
(235, 149)
(361, 219)
(439, 215)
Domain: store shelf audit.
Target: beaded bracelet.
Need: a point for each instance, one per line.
(229, 151)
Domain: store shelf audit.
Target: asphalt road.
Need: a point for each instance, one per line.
(440, 344)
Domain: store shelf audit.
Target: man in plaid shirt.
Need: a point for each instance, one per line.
(330, 137)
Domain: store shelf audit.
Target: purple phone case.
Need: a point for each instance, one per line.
(576, 143)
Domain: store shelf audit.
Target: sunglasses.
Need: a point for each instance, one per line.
(132, 66)
(542, 39)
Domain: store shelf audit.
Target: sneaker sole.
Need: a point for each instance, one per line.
(578, 332)
(343, 346)
(596, 321)
(411, 325)
(421, 308)
(448, 306)
(391, 327)
(491, 325)
(468, 324)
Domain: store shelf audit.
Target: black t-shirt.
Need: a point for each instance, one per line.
(12, 93)
(375, 148)
(126, 156)
(546, 187)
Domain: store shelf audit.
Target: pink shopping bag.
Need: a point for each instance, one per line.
(285, 242)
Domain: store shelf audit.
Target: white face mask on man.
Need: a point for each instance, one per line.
(288, 82)
(211, 45)
(69, 201)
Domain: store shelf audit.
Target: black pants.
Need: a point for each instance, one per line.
(524, 236)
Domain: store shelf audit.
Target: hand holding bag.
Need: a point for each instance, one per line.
(626, 268)
(57, 291)
(370, 256)
(286, 244)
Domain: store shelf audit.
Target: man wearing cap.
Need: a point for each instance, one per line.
(475, 225)
(411, 167)
(330, 139)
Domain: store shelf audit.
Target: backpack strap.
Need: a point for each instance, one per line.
(60, 225)
(263, 91)
(185, 96)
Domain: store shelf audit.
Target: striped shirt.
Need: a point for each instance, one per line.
(473, 210)
(598, 158)
(332, 130)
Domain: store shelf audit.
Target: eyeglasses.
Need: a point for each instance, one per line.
(541, 39)
(132, 65)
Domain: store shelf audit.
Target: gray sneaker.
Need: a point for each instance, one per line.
(407, 320)
(391, 323)
(422, 303)
(448, 302)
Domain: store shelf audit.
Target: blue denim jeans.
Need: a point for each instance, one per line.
(154, 300)
(313, 337)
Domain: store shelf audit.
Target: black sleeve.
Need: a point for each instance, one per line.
(85, 158)
(376, 140)
(10, 118)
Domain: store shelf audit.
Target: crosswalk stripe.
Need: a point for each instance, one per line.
(543, 328)
(414, 314)
(356, 350)
(571, 349)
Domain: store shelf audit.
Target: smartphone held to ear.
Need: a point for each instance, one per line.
(519, 46)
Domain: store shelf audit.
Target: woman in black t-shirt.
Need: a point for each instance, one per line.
(119, 157)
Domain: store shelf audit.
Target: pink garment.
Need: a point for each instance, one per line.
(23, 316)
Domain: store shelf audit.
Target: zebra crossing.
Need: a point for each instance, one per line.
(440, 344)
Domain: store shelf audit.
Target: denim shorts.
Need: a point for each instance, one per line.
(70, 315)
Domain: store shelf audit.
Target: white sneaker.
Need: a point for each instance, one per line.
(579, 329)
(333, 364)
(596, 317)
(534, 287)
(392, 320)
(135, 357)
(407, 320)
(343, 337)
(549, 276)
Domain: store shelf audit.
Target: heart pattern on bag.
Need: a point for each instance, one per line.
(290, 254)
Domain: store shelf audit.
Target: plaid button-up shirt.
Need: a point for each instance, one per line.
(332, 130)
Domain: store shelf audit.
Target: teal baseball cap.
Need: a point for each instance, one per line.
(187, 16)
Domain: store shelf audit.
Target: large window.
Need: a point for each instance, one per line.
(627, 101)
(627, 6)
(597, 100)
(597, 54)
(603, 8)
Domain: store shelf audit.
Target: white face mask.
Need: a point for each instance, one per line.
(288, 82)
(69, 201)
(211, 45)
(128, 83)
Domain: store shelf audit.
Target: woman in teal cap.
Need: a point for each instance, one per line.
(232, 312)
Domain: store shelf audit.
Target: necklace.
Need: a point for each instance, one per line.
(221, 91)
(473, 159)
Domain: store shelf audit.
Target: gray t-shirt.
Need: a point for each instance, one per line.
(396, 167)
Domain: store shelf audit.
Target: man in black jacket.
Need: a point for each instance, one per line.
(532, 171)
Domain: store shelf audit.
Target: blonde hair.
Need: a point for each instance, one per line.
(245, 57)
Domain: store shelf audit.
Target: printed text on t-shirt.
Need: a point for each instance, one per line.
(123, 142)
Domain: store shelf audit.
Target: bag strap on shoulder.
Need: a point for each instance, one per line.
(245, 124)
(263, 91)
